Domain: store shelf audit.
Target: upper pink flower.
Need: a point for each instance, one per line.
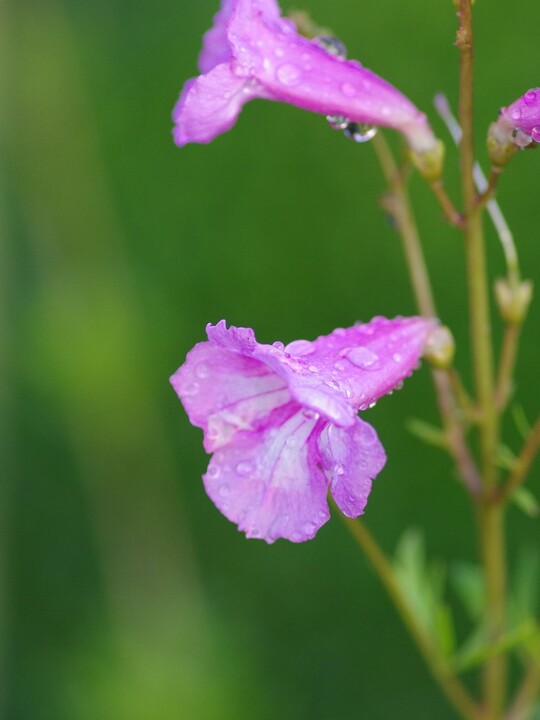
(252, 52)
(282, 421)
(523, 118)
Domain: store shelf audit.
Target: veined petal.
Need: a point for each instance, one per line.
(224, 392)
(351, 457)
(216, 47)
(296, 70)
(268, 482)
(210, 104)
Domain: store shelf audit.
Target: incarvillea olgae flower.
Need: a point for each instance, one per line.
(253, 52)
(282, 421)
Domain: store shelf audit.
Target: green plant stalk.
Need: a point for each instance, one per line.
(421, 285)
(490, 516)
(454, 690)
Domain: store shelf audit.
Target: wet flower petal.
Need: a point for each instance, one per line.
(351, 458)
(282, 420)
(267, 482)
(261, 55)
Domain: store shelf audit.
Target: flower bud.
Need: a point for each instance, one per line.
(518, 126)
(513, 301)
(429, 162)
(440, 348)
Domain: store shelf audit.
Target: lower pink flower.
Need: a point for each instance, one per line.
(282, 422)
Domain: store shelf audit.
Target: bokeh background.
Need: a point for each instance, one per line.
(124, 594)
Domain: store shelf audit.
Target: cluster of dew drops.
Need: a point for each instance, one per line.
(522, 138)
(357, 132)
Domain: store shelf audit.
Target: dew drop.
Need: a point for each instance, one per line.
(213, 471)
(515, 114)
(364, 358)
(397, 358)
(244, 468)
(360, 132)
(202, 371)
(332, 45)
(339, 469)
(348, 89)
(367, 435)
(309, 528)
(301, 347)
(340, 365)
(313, 369)
(288, 74)
(529, 97)
(278, 344)
(535, 134)
(322, 515)
(296, 537)
(224, 490)
(190, 388)
(310, 414)
(338, 122)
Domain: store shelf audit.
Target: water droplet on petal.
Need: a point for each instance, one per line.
(309, 528)
(244, 468)
(224, 490)
(202, 371)
(535, 134)
(515, 114)
(278, 344)
(521, 138)
(288, 74)
(340, 365)
(301, 347)
(190, 388)
(332, 45)
(364, 358)
(529, 97)
(397, 358)
(360, 132)
(313, 369)
(296, 537)
(339, 469)
(348, 89)
(310, 414)
(338, 122)
(213, 471)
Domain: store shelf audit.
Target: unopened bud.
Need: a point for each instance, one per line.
(503, 142)
(430, 162)
(513, 301)
(440, 347)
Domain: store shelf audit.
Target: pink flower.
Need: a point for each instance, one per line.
(282, 422)
(523, 118)
(252, 52)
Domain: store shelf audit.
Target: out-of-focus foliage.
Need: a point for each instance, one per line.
(123, 592)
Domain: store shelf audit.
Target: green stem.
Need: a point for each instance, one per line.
(490, 516)
(523, 464)
(402, 213)
(455, 692)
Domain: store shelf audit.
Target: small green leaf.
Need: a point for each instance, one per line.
(467, 581)
(430, 434)
(523, 498)
(505, 458)
(520, 420)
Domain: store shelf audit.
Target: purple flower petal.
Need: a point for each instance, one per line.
(351, 458)
(523, 115)
(267, 58)
(267, 482)
(224, 391)
(282, 420)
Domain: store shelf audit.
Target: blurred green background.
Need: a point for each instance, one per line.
(123, 592)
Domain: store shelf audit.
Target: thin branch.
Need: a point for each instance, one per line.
(451, 215)
(455, 692)
(523, 464)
